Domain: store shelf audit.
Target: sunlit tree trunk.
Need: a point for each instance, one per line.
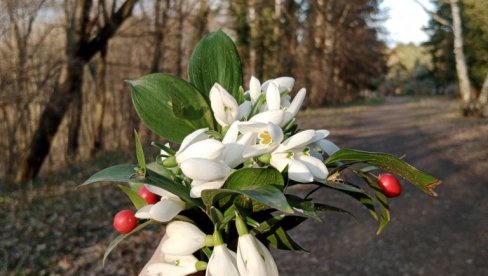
(461, 67)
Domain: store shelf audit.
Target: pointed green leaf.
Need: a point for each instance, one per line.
(267, 195)
(253, 177)
(354, 192)
(120, 238)
(141, 160)
(216, 60)
(155, 179)
(274, 230)
(117, 173)
(134, 197)
(380, 198)
(393, 164)
(303, 206)
(170, 106)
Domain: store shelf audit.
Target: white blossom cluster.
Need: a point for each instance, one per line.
(257, 133)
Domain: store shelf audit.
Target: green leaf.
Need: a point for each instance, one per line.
(420, 179)
(117, 173)
(134, 197)
(356, 193)
(155, 179)
(216, 60)
(267, 195)
(170, 106)
(380, 198)
(120, 238)
(287, 222)
(141, 160)
(216, 216)
(253, 177)
(303, 206)
(281, 240)
(274, 230)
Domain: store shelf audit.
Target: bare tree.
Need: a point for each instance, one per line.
(81, 47)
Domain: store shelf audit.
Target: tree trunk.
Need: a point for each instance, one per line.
(461, 67)
(253, 24)
(159, 28)
(51, 118)
(179, 40)
(69, 83)
(101, 98)
(482, 105)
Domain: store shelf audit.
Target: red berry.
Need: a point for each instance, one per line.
(125, 221)
(389, 185)
(148, 197)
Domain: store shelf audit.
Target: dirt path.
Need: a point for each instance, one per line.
(447, 235)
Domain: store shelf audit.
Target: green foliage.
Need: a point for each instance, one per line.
(170, 106)
(134, 197)
(388, 162)
(216, 60)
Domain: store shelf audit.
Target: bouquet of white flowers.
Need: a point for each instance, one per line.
(223, 194)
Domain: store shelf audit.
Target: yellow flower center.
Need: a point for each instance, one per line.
(265, 138)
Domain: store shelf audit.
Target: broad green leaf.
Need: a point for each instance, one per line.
(117, 173)
(141, 160)
(267, 195)
(134, 197)
(170, 106)
(253, 177)
(216, 60)
(120, 238)
(420, 179)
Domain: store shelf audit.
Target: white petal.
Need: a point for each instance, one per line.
(273, 97)
(244, 110)
(257, 150)
(157, 269)
(233, 154)
(270, 116)
(249, 259)
(279, 161)
(327, 146)
(210, 149)
(284, 83)
(196, 190)
(222, 262)
(295, 105)
(202, 169)
(223, 105)
(315, 166)
(193, 137)
(297, 141)
(159, 191)
(143, 213)
(166, 209)
(254, 89)
(276, 133)
(299, 172)
(182, 238)
(232, 133)
(320, 134)
(285, 100)
(252, 127)
(186, 260)
(269, 262)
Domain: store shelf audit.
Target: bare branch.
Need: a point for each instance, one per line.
(434, 15)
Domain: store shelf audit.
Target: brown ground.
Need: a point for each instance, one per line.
(54, 230)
